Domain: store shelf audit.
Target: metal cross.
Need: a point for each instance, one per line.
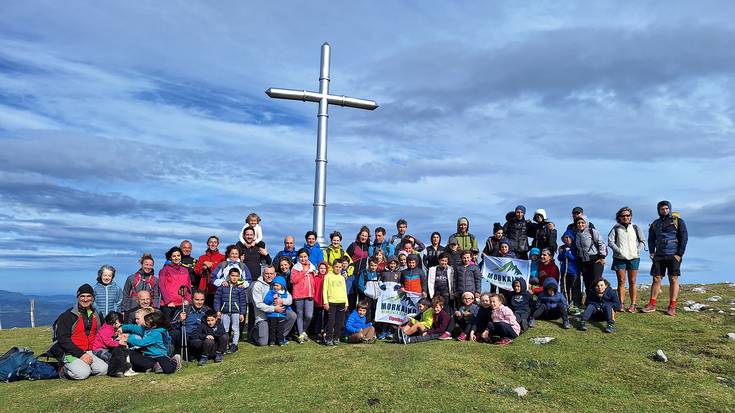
(324, 99)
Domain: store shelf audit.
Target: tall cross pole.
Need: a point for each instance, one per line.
(324, 99)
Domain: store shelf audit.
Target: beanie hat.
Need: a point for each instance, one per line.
(412, 257)
(577, 209)
(280, 280)
(463, 220)
(521, 207)
(541, 212)
(496, 227)
(85, 289)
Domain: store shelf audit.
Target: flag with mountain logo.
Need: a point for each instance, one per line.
(501, 272)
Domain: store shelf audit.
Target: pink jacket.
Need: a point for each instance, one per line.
(303, 281)
(170, 279)
(505, 315)
(103, 339)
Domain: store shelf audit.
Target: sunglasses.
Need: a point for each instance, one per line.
(625, 216)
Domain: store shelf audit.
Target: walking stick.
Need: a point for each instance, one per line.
(184, 350)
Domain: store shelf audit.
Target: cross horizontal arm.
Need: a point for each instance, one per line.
(316, 97)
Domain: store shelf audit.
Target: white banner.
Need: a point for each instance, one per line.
(501, 272)
(394, 306)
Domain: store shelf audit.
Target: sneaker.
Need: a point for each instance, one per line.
(202, 360)
(130, 373)
(300, 339)
(462, 336)
(532, 322)
(335, 342)
(610, 328)
(382, 335)
(233, 348)
(504, 341)
(632, 308)
(329, 343)
(306, 336)
(177, 358)
(649, 309)
(566, 325)
(157, 368)
(583, 326)
(389, 336)
(218, 357)
(370, 340)
(445, 336)
(406, 339)
(671, 311)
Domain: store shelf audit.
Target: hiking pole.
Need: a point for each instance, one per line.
(184, 350)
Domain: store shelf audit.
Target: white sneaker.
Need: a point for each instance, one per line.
(130, 373)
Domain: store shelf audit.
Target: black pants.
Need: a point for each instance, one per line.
(464, 324)
(604, 311)
(591, 270)
(317, 322)
(118, 362)
(194, 347)
(276, 326)
(501, 329)
(143, 363)
(522, 318)
(336, 322)
(207, 348)
(422, 338)
(544, 313)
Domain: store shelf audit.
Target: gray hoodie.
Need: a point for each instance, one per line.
(258, 290)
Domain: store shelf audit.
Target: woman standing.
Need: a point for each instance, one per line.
(627, 241)
(358, 250)
(591, 252)
(432, 252)
(172, 279)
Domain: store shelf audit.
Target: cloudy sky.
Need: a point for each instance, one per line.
(126, 128)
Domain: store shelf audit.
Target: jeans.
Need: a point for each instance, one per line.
(232, 319)
(304, 313)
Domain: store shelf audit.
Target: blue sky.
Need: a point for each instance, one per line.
(126, 128)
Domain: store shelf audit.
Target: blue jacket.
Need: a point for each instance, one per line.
(567, 257)
(609, 297)
(355, 323)
(107, 298)
(204, 330)
(388, 248)
(521, 303)
(316, 255)
(231, 299)
(534, 264)
(193, 318)
(152, 342)
(270, 297)
(667, 235)
(364, 277)
(552, 301)
(292, 255)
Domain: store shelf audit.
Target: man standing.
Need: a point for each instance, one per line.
(397, 239)
(381, 243)
(289, 250)
(76, 329)
(259, 332)
(463, 238)
(578, 211)
(667, 242)
(188, 261)
(517, 230)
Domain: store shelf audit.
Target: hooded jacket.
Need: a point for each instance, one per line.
(231, 299)
(667, 234)
(215, 257)
(302, 279)
(552, 301)
(170, 279)
(315, 253)
(567, 256)
(204, 330)
(492, 246)
(257, 294)
(589, 244)
(466, 242)
(104, 338)
(517, 231)
(75, 331)
(521, 302)
(609, 297)
(272, 294)
(355, 323)
(468, 278)
(222, 270)
(152, 342)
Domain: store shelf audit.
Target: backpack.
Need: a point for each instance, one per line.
(635, 229)
(169, 342)
(19, 363)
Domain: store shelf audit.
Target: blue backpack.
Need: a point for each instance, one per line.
(19, 363)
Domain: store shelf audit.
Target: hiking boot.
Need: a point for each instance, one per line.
(649, 309)
(233, 348)
(531, 322)
(671, 311)
(202, 360)
(583, 326)
(462, 336)
(177, 359)
(632, 308)
(445, 336)
(610, 328)
(566, 325)
(504, 341)
(218, 357)
(405, 339)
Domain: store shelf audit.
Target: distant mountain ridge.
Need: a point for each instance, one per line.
(15, 308)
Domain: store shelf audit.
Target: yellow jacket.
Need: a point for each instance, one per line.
(335, 289)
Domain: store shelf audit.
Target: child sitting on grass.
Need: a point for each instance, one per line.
(151, 352)
(358, 328)
(520, 301)
(503, 327)
(464, 315)
(439, 325)
(108, 348)
(602, 304)
(550, 305)
(213, 336)
(423, 322)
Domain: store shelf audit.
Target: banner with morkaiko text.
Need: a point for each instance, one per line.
(395, 306)
(501, 272)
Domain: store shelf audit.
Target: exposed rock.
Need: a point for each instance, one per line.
(714, 298)
(720, 312)
(698, 290)
(730, 336)
(689, 302)
(520, 391)
(644, 287)
(542, 340)
(696, 307)
(660, 356)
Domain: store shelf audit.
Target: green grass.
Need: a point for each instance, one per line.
(590, 371)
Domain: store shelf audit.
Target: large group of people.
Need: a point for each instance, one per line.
(199, 309)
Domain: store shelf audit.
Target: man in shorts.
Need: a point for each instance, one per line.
(667, 241)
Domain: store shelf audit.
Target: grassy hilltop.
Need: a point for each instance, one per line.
(578, 371)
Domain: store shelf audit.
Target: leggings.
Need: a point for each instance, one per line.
(590, 271)
(304, 313)
(336, 322)
(143, 363)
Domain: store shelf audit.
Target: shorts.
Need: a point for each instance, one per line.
(629, 265)
(665, 265)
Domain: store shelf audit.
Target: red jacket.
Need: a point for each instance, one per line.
(549, 270)
(318, 289)
(170, 279)
(303, 280)
(215, 257)
(75, 332)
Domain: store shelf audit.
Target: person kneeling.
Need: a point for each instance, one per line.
(213, 336)
(602, 304)
(357, 327)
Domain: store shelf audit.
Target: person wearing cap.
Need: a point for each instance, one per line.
(463, 237)
(577, 211)
(76, 329)
(517, 229)
(667, 242)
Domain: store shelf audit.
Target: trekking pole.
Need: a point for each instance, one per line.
(184, 350)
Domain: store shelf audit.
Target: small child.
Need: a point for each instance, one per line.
(420, 325)
(464, 315)
(568, 260)
(402, 261)
(503, 323)
(520, 300)
(104, 341)
(440, 321)
(455, 255)
(358, 328)
(534, 256)
(546, 268)
(276, 320)
(550, 305)
(108, 295)
(440, 280)
(335, 302)
(601, 305)
(504, 250)
(348, 271)
(482, 319)
(231, 303)
(368, 286)
(151, 352)
(413, 278)
(253, 221)
(389, 275)
(319, 320)
(380, 256)
(213, 337)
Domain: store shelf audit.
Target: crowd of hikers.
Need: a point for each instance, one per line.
(198, 309)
